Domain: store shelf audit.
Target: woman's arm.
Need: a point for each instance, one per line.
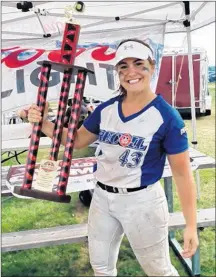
(82, 138)
(186, 188)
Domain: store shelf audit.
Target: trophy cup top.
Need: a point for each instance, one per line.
(70, 10)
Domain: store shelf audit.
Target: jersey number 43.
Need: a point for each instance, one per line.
(130, 160)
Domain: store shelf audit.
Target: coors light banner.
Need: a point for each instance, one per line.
(20, 71)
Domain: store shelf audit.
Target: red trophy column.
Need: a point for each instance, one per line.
(65, 65)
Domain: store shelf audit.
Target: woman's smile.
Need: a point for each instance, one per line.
(134, 81)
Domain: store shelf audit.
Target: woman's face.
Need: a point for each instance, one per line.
(135, 74)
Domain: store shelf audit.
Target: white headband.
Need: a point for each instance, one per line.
(132, 49)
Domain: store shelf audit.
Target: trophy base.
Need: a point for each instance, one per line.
(50, 196)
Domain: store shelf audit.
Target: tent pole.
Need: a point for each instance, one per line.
(173, 78)
(191, 79)
(45, 34)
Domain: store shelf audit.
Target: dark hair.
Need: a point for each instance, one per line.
(121, 89)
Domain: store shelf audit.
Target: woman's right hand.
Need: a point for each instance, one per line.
(34, 113)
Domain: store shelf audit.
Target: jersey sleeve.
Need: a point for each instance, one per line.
(176, 140)
(92, 123)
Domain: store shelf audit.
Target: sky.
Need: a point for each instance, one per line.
(204, 38)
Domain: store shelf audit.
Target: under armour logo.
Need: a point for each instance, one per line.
(126, 47)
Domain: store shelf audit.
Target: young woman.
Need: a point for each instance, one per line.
(136, 130)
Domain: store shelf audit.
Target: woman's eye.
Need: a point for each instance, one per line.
(139, 64)
(122, 67)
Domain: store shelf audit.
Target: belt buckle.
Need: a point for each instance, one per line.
(123, 190)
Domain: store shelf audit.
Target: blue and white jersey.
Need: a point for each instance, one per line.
(133, 149)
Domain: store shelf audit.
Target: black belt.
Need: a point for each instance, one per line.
(119, 190)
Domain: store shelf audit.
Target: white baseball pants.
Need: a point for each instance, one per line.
(143, 217)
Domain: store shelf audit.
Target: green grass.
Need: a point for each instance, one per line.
(205, 126)
(73, 260)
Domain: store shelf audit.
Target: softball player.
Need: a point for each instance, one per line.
(136, 130)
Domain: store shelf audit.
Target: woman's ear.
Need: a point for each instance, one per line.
(152, 68)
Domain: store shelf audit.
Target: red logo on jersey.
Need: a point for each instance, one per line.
(125, 140)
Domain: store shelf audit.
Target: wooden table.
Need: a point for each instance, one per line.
(23, 144)
(82, 169)
(19, 146)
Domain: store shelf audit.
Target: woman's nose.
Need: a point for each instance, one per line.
(131, 69)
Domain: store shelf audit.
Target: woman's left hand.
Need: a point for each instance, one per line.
(191, 242)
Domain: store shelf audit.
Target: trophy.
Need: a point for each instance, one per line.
(43, 188)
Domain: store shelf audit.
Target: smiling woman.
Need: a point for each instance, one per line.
(136, 131)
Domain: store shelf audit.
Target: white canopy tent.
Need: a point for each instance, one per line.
(45, 22)
(99, 17)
